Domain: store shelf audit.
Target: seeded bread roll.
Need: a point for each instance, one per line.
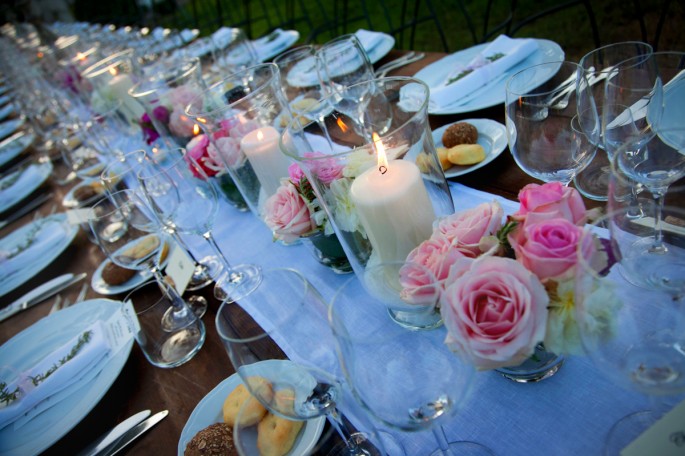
(216, 439)
(114, 274)
(459, 133)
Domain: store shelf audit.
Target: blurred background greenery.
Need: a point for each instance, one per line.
(462, 21)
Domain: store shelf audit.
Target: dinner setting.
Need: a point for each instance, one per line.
(232, 230)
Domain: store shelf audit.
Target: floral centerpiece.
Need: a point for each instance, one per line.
(168, 113)
(508, 285)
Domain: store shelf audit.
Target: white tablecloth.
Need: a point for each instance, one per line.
(567, 414)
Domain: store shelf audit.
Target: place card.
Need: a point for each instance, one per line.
(79, 216)
(180, 268)
(121, 327)
(665, 438)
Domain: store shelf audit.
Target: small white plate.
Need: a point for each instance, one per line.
(492, 136)
(23, 185)
(102, 287)
(286, 38)
(34, 343)
(10, 126)
(210, 410)
(11, 147)
(436, 72)
(70, 201)
(30, 262)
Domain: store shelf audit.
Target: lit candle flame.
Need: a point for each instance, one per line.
(81, 56)
(202, 120)
(196, 129)
(260, 135)
(342, 125)
(113, 71)
(40, 55)
(380, 151)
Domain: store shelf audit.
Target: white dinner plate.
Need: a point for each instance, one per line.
(286, 38)
(210, 410)
(492, 136)
(10, 126)
(435, 73)
(32, 260)
(14, 145)
(37, 341)
(6, 111)
(381, 47)
(16, 186)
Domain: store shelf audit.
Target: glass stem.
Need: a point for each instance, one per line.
(167, 288)
(441, 438)
(233, 277)
(658, 246)
(353, 449)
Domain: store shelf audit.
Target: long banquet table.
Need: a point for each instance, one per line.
(567, 414)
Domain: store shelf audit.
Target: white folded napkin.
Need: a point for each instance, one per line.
(497, 57)
(368, 39)
(48, 233)
(270, 43)
(222, 37)
(55, 372)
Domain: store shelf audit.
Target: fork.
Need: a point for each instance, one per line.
(398, 63)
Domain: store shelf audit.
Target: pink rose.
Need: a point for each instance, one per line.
(197, 149)
(295, 172)
(550, 200)
(237, 129)
(325, 169)
(495, 313)
(419, 285)
(226, 150)
(287, 214)
(180, 97)
(465, 229)
(547, 248)
(437, 254)
(180, 124)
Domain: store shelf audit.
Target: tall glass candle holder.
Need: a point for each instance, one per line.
(165, 94)
(374, 167)
(242, 117)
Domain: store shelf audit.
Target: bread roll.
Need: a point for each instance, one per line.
(459, 133)
(214, 440)
(254, 410)
(114, 274)
(276, 436)
(466, 154)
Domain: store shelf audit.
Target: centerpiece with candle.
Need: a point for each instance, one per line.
(388, 187)
(165, 94)
(238, 116)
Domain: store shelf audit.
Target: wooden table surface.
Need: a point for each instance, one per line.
(140, 385)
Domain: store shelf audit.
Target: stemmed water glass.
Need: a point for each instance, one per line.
(597, 65)
(299, 80)
(417, 390)
(301, 382)
(633, 333)
(186, 201)
(543, 128)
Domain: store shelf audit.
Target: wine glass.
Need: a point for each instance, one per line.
(419, 390)
(122, 173)
(301, 381)
(299, 80)
(633, 334)
(233, 51)
(540, 121)
(186, 201)
(128, 233)
(597, 65)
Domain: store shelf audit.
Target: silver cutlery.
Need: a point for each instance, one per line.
(114, 434)
(28, 207)
(134, 433)
(40, 294)
(398, 63)
(402, 58)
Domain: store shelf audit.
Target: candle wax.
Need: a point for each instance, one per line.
(394, 209)
(264, 153)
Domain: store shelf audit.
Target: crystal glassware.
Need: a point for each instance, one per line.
(541, 136)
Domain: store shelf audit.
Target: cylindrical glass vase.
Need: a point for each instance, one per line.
(372, 163)
(241, 117)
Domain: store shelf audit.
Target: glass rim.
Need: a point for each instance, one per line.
(534, 92)
(106, 64)
(295, 121)
(613, 45)
(306, 286)
(150, 85)
(149, 304)
(286, 57)
(249, 70)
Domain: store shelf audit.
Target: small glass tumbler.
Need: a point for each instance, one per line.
(163, 345)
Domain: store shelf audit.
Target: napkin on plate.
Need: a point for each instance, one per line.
(368, 39)
(65, 365)
(497, 57)
(27, 177)
(47, 233)
(270, 43)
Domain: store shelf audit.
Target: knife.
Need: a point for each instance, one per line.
(114, 434)
(134, 433)
(34, 203)
(40, 294)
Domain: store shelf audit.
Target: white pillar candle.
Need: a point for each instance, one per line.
(394, 208)
(118, 87)
(261, 148)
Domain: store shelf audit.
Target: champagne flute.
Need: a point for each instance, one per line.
(633, 333)
(539, 122)
(597, 65)
(186, 201)
(300, 382)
